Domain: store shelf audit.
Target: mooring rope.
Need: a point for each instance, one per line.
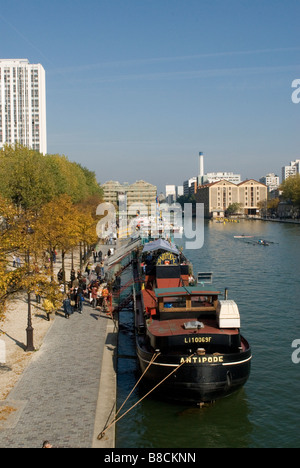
(101, 434)
(145, 371)
(125, 401)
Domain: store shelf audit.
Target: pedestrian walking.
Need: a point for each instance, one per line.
(72, 275)
(37, 296)
(94, 296)
(94, 255)
(88, 268)
(73, 299)
(60, 276)
(99, 295)
(67, 307)
(105, 294)
(46, 444)
(98, 271)
(80, 301)
(54, 253)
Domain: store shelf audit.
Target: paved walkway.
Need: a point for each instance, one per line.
(57, 398)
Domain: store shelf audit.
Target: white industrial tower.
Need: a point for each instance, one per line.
(201, 168)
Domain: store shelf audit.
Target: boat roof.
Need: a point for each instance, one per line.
(161, 244)
(186, 291)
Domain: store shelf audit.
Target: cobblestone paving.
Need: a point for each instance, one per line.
(56, 397)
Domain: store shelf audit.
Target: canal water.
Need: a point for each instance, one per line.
(265, 283)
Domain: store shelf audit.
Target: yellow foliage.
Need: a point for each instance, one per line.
(48, 306)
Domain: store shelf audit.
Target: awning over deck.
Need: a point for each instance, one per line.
(161, 244)
(187, 291)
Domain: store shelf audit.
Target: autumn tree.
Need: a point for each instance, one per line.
(291, 189)
(234, 208)
(57, 227)
(72, 179)
(87, 232)
(37, 212)
(29, 179)
(25, 179)
(272, 205)
(16, 234)
(10, 241)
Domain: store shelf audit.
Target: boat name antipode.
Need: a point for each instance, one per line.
(202, 360)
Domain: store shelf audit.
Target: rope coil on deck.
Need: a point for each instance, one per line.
(116, 419)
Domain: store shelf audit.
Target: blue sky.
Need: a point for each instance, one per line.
(136, 88)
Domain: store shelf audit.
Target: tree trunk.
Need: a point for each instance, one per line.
(63, 269)
(80, 255)
(51, 263)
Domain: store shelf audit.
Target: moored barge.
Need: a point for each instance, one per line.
(188, 340)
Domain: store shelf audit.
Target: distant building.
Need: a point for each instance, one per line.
(212, 177)
(292, 169)
(218, 196)
(23, 104)
(189, 186)
(251, 194)
(271, 181)
(139, 194)
(179, 190)
(171, 193)
(111, 190)
(161, 197)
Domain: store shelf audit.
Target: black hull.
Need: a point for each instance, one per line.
(202, 379)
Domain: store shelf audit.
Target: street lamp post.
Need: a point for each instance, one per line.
(29, 329)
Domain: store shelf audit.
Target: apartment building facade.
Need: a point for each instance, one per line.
(291, 170)
(211, 177)
(218, 196)
(189, 186)
(23, 104)
(139, 196)
(271, 181)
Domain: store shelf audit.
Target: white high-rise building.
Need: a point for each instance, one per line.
(23, 104)
(190, 186)
(291, 170)
(271, 181)
(171, 193)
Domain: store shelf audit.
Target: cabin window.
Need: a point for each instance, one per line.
(199, 301)
(174, 303)
(186, 303)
